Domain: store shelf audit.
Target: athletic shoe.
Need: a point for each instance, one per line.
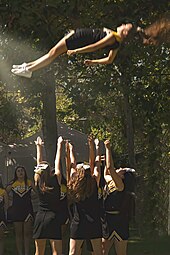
(19, 66)
(24, 72)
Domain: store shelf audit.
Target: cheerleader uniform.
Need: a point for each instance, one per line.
(21, 209)
(102, 217)
(85, 221)
(2, 211)
(86, 36)
(116, 220)
(64, 214)
(47, 223)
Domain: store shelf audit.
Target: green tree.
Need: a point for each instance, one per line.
(130, 109)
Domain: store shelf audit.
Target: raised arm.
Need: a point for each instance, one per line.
(110, 170)
(72, 159)
(39, 144)
(97, 170)
(103, 61)
(68, 161)
(91, 154)
(58, 159)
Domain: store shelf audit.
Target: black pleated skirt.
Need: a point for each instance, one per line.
(47, 225)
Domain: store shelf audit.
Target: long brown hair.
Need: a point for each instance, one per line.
(15, 175)
(158, 32)
(81, 185)
(44, 178)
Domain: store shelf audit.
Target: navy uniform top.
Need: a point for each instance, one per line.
(112, 198)
(85, 221)
(21, 208)
(21, 194)
(50, 200)
(86, 36)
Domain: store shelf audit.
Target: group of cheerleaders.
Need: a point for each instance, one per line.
(88, 198)
(96, 208)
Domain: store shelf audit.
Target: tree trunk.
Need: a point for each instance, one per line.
(125, 81)
(129, 131)
(49, 123)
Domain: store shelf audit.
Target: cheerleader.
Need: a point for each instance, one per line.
(47, 224)
(80, 41)
(64, 215)
(3, 211)
(83, 195)
(20, 213)
(117, 220)
(64, 203)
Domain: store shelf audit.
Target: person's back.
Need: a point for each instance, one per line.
(47, 225)
(83, 184)
(50, 199)
(128, 201)
(86, 213)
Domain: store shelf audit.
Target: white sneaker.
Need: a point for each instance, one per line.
(23, 71)
(19, 66)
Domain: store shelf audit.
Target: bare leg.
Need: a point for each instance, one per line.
(75, 246)
(56, 246)
(106, 245)
(19, 236)
(59, 49)
(40, 246)
(120, 247)
(27, 236)
(97, 246)
(26, 69)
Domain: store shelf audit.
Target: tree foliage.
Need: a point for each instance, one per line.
(92, 99)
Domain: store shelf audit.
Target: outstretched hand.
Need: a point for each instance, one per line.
(107, 144)
(88, 62)
(60, 140)
(139, 29)
(71, 52)
(70, 146)
(39, 141)
(90, 140)
(96, 141)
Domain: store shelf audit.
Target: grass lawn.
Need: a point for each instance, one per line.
(136, 246)
(158, 246)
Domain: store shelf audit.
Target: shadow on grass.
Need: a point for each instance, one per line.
(136, 246)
